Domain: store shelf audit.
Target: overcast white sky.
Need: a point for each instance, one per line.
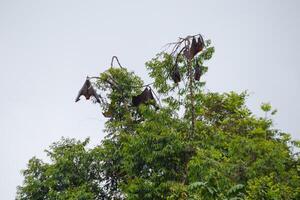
(48, 47)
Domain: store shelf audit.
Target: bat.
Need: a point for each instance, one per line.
(194, 48)
(200, 44)
(141, 98)
(175, 74)
(197, 73)
(87, 90)
(144, 98)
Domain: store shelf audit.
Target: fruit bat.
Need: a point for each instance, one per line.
(144, 98)
(175, 74)
(141, 98)
(197, 73)
(194, 48)
(87, 90)
(200, 44)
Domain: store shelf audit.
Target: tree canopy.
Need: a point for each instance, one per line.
(197, 145)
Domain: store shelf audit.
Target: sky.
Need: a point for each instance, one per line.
(47, 48)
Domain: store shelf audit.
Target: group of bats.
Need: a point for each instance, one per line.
(190, 52)
(146, 97)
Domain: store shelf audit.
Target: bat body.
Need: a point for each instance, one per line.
(197, 72)
(175, 74)
(200, 44)
(87, 90)
(194, 48)
(143, 98)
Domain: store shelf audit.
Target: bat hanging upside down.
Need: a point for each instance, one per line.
(87, 90)
(195, 47)
(175, 75)
(198, 72)
(144, 98)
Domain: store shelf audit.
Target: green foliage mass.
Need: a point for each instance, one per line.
(151, 154)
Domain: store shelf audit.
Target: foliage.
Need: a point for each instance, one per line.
(149, 154)
(72, 174)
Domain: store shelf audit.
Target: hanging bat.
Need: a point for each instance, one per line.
(197, 73)
(193, 49)
(144, 98)
(87, 90)
(175, 75)
(200, 44)
(141, 98)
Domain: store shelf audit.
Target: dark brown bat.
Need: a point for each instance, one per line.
(193, 49)
(175, 75)
(141, 98)
(144, 98)
(200, 44)
(87, 90)
(197, 73)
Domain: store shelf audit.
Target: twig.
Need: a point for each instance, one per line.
(112, 62)
(148, 84)
(179, 53)
(111, 82)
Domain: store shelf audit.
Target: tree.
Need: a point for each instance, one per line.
(198, 145)
(72, 174)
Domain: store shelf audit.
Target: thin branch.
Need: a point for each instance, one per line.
(111, 82)
(177, 46)
(190, 36)
(112, 62)
(148, 84)
(179, 54)
(93, 77)
(179, 43)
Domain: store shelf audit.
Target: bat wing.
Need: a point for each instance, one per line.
(193, 50)
(92, 92)
(135, 100)
(176, 75)
(200, 43)
(78, 96)
(97, 97)
(84, 90)
(141, 98)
